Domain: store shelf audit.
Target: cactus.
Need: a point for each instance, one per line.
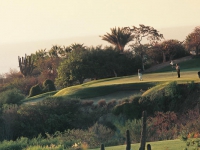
(143, 132)
(26, 65)
(102, 147)
(128, 141)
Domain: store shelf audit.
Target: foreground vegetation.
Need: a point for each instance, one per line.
(104, 122)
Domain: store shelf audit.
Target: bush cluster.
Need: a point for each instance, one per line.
(11, 96)
(130, 108)
(162, 98)
(104, 122)
(48, 85)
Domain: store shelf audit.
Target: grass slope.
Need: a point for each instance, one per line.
(104, 87)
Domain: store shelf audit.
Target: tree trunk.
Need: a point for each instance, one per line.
(142, 62)
(164, 57)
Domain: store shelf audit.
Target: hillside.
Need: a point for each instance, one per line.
(67, 117)
(167, 64)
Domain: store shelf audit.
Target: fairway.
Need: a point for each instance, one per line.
(158, 145)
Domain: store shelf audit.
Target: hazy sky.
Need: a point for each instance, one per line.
(39, 20)
(33, 20)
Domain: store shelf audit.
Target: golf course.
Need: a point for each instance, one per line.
(120, 88)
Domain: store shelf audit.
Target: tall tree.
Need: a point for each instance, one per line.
(74, 68)
(169, 49)
(141, 51)
(118, 38)
(55, 51)
(141, 32)
(53, 61)
(192, 41)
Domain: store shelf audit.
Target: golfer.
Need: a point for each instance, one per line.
(140, 74)
(178, 70)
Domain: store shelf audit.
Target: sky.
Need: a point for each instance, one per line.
(29, 25)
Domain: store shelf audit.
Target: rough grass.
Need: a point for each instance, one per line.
(40, 96)
(158, 87)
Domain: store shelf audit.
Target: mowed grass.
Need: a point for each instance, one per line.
(158, 145)
(107, 86)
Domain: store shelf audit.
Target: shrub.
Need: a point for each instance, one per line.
(22, 84)
(11, 96)
(103, 134)
(129, 108)
(191, 86)
(35, 90)
(102, 102)
(164, 97)
(87, 102)
(162, 126)
(134, 126)
(173, 95)
(48, 85)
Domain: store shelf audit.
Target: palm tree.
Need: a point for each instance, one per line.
(118, 38)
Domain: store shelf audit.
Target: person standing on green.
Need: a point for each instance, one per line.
(178, 70)
(140, 74)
